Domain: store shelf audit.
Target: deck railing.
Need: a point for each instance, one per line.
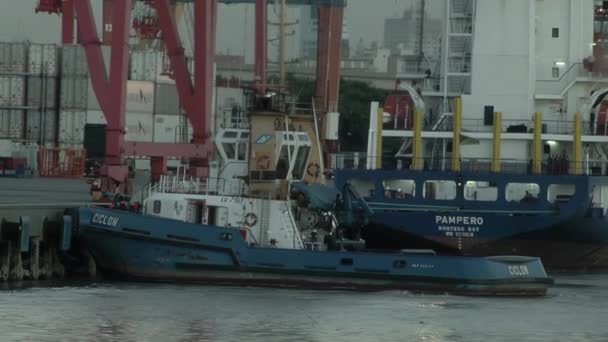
(181, 183)
(550, 166)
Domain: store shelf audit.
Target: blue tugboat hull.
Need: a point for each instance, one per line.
(156, 249)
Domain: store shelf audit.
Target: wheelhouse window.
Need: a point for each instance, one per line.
(522, 192)
(282, 167)
(399, 188)
(242, 151)
(230, 150)
(301, 162)
(444, 190)
(480, 191)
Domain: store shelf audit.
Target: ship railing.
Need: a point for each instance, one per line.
(554, 165)
(561, 127)
(182, 184)
(233, 118)
(563, 79)
(348, 160)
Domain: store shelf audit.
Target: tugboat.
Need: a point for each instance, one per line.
(265, 219)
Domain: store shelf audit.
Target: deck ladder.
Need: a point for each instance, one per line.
(265, 219)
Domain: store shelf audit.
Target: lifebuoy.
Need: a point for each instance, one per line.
(313, 170)
(250, 220)
(263, 162)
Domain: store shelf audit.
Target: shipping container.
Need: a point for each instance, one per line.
(166, 99)
(34, 92)
(96, 117)
(145, 65)
(12, 58)
(73, 61)
(74, 93)
(140, 127)
(140, 97)
(71, 127)
(165, 74)
(42, 59)
(41, 127)
(11, 91)
(167, 128)
(11, 124)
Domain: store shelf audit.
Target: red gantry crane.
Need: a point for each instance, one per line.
(195, 96)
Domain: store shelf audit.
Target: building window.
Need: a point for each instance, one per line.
(555, 32)
(555, 72)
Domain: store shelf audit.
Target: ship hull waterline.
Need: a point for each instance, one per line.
(144, 257)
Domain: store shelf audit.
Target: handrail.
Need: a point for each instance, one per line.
(563, 75)
(294, 225)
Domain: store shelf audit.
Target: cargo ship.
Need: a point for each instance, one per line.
(506, 151)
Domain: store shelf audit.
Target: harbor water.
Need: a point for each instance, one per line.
(575, 310)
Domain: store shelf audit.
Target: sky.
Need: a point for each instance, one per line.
(235, 24)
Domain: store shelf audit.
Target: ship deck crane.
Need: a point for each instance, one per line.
(194, 95)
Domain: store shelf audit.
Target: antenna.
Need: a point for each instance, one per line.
(282, 24)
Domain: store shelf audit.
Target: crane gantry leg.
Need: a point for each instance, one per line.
(67, 22)
(111, 90)
(195, 98)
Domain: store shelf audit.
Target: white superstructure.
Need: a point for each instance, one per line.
(518, 58)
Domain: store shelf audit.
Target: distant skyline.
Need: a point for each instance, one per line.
(365, 20)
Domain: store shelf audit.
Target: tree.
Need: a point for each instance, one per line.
(355, 99)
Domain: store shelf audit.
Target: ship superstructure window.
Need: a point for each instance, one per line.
(555, 72)
(363, 186)
(283, 163)
(301, 161)
(555, 32)
(233, 145)
(399, 188)
(242, 151)
(230, 150)
(480, 191)
(156, 207)
(522, 192)
(560, 193)
(443, 190)
(294, 150)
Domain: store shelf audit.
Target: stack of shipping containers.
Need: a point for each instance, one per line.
(46, 99)
(74, 83)
(169, 124)
(13, 69)
(41, 99)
